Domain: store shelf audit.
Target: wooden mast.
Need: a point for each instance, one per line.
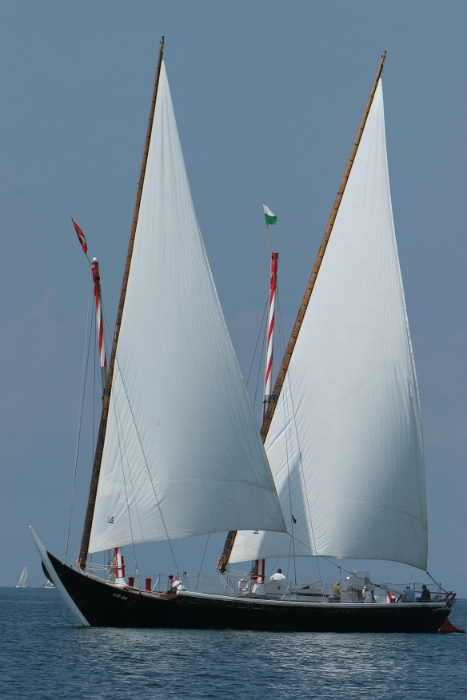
(224, 560)
(106, 399)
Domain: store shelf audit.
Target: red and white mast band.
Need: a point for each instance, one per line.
(270, 330)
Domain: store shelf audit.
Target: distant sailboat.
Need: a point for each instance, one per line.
(23, 579)
(48, 584)
(179, 454)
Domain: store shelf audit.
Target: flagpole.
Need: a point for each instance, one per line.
(269, 239)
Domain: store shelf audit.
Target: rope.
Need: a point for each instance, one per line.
(87, 345)
(257, 341)
(292, 414)
(262, 353)
(202, 558)
(118, 421)
(436, 582)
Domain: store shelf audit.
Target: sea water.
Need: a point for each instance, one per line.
(46, 655)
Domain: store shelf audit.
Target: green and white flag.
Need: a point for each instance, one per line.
(269, 216)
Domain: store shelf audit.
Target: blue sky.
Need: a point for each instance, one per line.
(268, 97)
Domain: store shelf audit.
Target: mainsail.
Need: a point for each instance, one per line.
(182, 454)
(23, 579)
(345, 443)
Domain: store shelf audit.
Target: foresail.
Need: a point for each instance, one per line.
(182, 454)
(345, 443)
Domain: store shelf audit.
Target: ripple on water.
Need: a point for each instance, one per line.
(46, 656)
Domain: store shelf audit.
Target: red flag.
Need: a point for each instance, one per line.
(81, 237)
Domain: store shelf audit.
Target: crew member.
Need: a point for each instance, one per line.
(367, 595)
(176, 585)
(426, 595)
(278, 576)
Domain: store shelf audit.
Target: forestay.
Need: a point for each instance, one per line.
(345, 443)
(182, 455)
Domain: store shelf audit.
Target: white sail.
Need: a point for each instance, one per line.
(182, 454)
(345, 443)
(23, 579)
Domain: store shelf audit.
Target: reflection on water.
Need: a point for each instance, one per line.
(63, 660)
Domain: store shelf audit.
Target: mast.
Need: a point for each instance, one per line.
(259, 565)
(106, 399)
(273, 399)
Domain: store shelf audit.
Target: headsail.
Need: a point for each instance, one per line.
(345, 443)
(182, 454)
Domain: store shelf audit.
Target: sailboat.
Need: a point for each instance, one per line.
(23, 579)
(179, 454)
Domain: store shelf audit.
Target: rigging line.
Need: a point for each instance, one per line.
(87, 345)
(119, 424)
(300, 457)
(118, 421)
(288, 442)
(291, 556)
(146, 462)
(202, 558)
(272, 569)
(257, 341)
(262, 353)
(119, 432)
(436, 582)
(303, 479)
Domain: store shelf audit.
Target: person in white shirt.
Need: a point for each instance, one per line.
(367, 595)
(278, 576)
(409, 594)
(176, 585)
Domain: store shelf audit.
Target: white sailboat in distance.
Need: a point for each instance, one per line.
(23, 579)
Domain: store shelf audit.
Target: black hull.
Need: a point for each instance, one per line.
(105, 605)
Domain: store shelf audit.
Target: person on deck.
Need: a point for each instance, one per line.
(409, 594)
(426, 595)
(278, 576)
(367, 595)
(176, 585)
(336, 589)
